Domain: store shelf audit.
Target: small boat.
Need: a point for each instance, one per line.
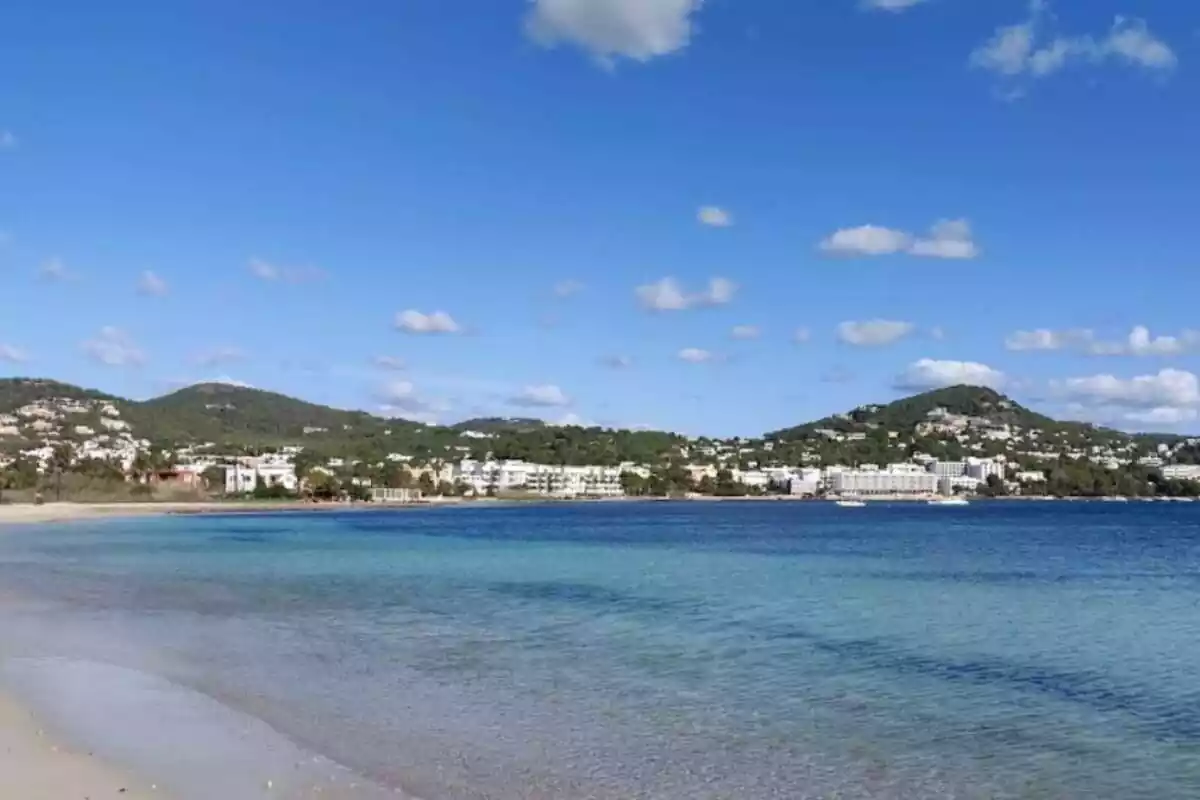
(1114, 499)
(948, 501)
(851, 504)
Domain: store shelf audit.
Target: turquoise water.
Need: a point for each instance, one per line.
(698, 651)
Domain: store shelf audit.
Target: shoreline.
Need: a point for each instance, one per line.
(28, 513)
(34, 766)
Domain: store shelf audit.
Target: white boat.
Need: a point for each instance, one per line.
(948, 501)
(851, 504)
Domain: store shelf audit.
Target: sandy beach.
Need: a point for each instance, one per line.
(34, 767)
(27, 513)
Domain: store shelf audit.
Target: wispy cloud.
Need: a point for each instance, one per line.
(390, 362)
(695, 355)
(540, 396)
(567, 288)
(668, 295)
(150, 284)
(412, 321)
(616, 362)
(8, 140)
(1024, 50)
(873, 333)
(401, 399)
(114, 347)
(273, 272)
(947, 238)
(714, 217)
(891, 5)
(12, 354)
(55, 271)
(744, 332)
(222, 354)
(1139, 342)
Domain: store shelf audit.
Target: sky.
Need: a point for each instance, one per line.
(719, 217)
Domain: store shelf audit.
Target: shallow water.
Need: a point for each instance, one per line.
(700, 651)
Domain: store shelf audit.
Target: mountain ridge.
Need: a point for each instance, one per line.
(214, 411)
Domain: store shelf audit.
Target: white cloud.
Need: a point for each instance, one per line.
(55, 270)
(1163, 415)
(665, 295)
(11, 354)
(390, 362)
(668, 295)
(866, 240)
(611, 29)
(947, 238)
(929, 374)
(400, 399)
(1131, 40)
(151, 284)
(617, 362)
(412, 321)
(220, 355)
(228, 381)
(720, 291)
(567, 288)
(269, 271)
(1167, 398)
(115, 348)
(694, 355)
(1169, 388)
(745, 332)
(801, 335)
(8, 140)
(1046, 339)
(891, 5)
(540, 396)
(573, 420)
(714, 217)
(1022, 50)
(1138, 343)
(873, 333)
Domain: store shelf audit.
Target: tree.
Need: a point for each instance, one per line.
(633, 484)
(425, 484)
(993, 487)
(706, 485)
(214, 477)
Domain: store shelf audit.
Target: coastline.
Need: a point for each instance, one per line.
(35, 767)
(28, 513)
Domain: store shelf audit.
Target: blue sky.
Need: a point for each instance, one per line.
(596, 193)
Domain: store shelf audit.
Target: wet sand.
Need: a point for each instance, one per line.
(34, 767)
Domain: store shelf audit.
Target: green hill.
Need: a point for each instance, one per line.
(906, 413)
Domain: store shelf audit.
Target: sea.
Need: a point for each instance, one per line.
(620, 651)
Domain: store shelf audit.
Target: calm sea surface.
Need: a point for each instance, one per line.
(684, 651)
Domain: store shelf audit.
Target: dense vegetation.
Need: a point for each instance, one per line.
(242, 420)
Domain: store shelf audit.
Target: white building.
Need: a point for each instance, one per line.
(948, 469)
(243, 474)
(883, 482)
(1181, 472)
(981, 468)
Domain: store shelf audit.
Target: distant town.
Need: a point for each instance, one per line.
(929, 451)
